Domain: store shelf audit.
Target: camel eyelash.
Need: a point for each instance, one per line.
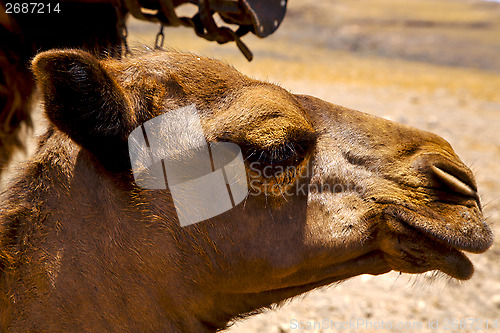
(287, 153)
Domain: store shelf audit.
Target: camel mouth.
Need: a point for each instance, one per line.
(434, 237)
(433, 234)
(419, 254)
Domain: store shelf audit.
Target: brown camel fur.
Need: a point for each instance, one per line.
(83, 248)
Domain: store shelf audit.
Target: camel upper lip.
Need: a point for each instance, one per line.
(457, 226)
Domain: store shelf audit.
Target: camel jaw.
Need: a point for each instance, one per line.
(373, 263)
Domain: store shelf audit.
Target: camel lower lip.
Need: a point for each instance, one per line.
(458, 266)
(452, 262)
(410, 250)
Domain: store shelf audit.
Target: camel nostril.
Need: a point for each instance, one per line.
(458, 182)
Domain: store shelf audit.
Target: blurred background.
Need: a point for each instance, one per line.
(431, 64)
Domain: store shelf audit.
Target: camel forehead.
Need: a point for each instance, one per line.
(260, 114)
(231, 105)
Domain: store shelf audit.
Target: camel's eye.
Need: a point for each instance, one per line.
(272, 169)
(288, 153)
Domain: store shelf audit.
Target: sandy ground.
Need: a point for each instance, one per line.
(432, 64)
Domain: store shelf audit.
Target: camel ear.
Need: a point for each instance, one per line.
(84, 101)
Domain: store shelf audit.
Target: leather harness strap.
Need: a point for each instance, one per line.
(261, 17)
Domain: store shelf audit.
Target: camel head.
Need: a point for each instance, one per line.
(332, 193)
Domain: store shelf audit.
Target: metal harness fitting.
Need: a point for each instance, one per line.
(261, 17)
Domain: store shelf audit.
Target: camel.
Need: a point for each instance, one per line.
(83, 247)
